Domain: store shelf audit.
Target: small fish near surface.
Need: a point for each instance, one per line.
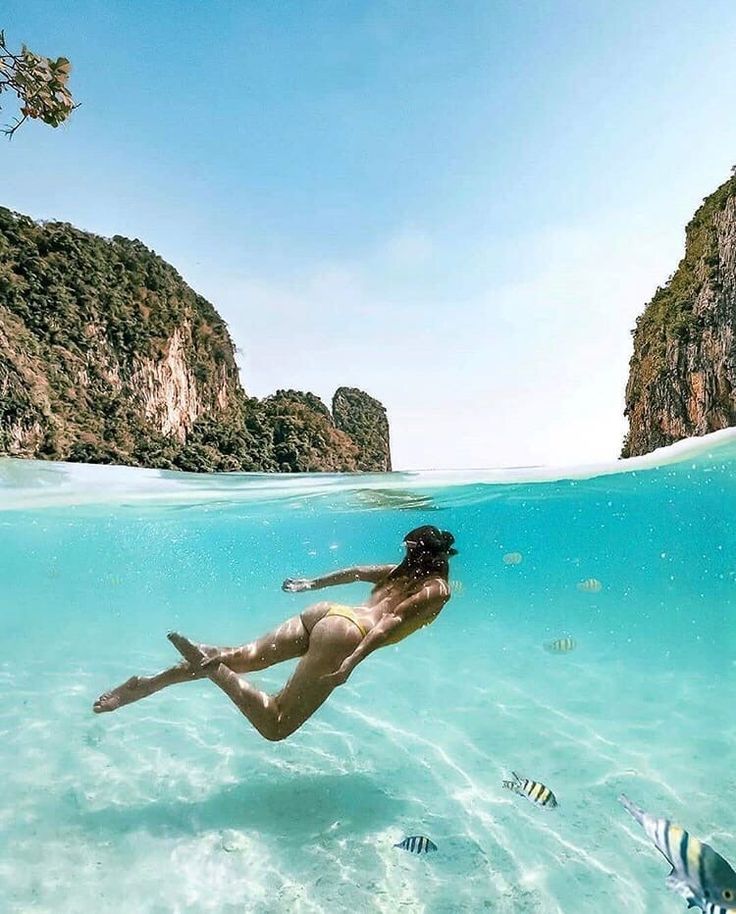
(560, 645)
(590, 585)
(532, 790)
(703, 878)
(417, 844)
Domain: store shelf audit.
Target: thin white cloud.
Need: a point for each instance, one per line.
(409, 248)
(530, 370)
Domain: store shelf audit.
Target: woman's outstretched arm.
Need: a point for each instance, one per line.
(371, 574)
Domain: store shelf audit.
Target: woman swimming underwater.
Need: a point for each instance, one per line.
(331, 639)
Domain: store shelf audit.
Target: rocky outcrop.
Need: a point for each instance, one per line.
(107, 355)
(304, 435)
(364, 420)
(682, 379)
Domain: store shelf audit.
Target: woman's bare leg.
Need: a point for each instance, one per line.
(278, 716)
(138, 687)
(289, 640)
(261, 708)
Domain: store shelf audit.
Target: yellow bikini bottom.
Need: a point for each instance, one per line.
(346, 612)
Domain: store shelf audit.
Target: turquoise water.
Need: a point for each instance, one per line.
(175, 804)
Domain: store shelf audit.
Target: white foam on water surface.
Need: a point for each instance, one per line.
(26, 484)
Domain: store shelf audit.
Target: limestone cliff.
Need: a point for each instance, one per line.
(364, 420)
(682, 379)
(107, 355)
(305, 437)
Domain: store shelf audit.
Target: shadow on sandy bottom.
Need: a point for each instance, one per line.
(301, 806)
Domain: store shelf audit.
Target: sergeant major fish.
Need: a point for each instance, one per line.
(532, 790)
(590, 585)
(417, 844)
(703, 878)
(561, 645)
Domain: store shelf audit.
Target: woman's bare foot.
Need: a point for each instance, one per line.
(132, 690)
(190, 651)
(138, 687)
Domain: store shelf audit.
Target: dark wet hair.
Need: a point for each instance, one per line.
(427, 551)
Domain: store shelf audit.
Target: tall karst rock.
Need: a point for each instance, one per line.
(682, 379)
(364, 420)
(108, 356)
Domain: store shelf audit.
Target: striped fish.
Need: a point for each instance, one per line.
(561, 645)
(703, 878)
(417, 844)
(590, 585)
(533, 790)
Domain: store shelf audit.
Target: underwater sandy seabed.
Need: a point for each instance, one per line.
(176, 805)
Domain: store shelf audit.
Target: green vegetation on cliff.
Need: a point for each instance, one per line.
(304, 436)
(108, 356)
(670, 313)
(364, 420)
(681, 378)
(104, 349)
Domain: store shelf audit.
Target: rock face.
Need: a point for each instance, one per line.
(304, 437)
(364, 420)
(682, 379)
(107, 356)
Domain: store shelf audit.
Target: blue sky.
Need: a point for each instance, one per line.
(460, 208)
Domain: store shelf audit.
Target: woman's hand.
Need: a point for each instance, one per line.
(338, 677)
(297, 585)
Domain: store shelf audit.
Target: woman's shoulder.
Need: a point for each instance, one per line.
(433, 588)
(405, 588)
(441, 585)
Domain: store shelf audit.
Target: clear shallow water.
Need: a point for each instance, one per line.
(175, 804)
